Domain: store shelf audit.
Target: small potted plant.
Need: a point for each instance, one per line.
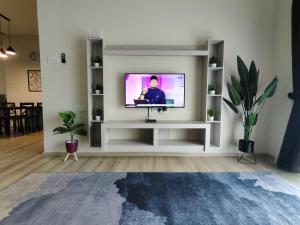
(97, 61)
(213, 62)
(210, 115)
(69, 126)
(98, 89)
(211, 89)
(99, 114)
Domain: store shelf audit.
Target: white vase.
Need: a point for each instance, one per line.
(213, 65)
(98, 118)
(97, 91)
(96, 64)
(213, 92)
(210, 118)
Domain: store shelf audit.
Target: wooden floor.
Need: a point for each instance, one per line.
(23, 155)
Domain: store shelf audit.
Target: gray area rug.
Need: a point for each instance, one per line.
(150, 199)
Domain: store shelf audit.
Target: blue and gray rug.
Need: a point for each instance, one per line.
(150, 199)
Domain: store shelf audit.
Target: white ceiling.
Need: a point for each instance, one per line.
(23, 15)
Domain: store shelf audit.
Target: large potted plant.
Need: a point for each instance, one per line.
(245, 102)
(69, 126)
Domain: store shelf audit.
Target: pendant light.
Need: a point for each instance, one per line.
(9, 50)
(2, 52)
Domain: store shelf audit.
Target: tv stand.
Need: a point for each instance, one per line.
(148, 120)
(151, 136)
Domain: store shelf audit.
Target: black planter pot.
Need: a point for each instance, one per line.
(246, 146)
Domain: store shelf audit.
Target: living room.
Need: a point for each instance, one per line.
(150, 107)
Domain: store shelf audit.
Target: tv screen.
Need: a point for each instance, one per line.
(154, 90)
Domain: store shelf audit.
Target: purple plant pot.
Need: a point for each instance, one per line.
(72, 147)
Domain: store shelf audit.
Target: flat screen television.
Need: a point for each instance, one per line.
(166, 90)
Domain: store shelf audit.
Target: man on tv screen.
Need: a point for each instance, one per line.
(153, 94)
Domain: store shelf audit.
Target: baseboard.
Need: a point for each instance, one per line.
(90, 154)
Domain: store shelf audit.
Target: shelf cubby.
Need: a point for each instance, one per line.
(216, 49)
(215, 129)
(95, 134)
(181, 137)
(135, 139)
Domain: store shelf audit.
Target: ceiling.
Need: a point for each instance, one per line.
(23, 15)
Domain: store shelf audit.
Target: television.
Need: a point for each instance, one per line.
(161, 90)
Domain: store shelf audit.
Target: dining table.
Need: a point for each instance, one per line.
(17, 114)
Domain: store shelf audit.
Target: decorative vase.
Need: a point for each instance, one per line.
(97, 91)
(96, 64)
(246, 146)
(210, 118)
(98, 118)
(72, 147)
(212, 92)
(213, 65)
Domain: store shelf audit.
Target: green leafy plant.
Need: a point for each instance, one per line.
(98, 87)
(211, 87)
(213, 59)
(243, 95)
(98, 60)
(99, 112)
(210, 112)
(69, 125)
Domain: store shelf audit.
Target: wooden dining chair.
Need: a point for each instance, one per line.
(27, 117)
(39, 116)
(9, 115)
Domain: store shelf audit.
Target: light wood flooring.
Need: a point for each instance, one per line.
(20, 156)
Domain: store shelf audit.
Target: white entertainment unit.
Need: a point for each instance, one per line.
(151, 138)
(150, 135)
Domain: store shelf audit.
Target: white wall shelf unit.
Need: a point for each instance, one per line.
(95, 101)
(150, 50)
(150, 139)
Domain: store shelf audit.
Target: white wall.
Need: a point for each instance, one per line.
(277, 112)
(15, 69)
(246, 26)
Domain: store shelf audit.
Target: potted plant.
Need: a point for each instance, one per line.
(97, 61)
(210, 115)
(99, 114)
(245, 102)
(213, 62)
(69, 126)
(211, 89)
(98, 89)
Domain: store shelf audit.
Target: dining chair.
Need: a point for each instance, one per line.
(27, 117)
(9, 114)
(39, 116)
